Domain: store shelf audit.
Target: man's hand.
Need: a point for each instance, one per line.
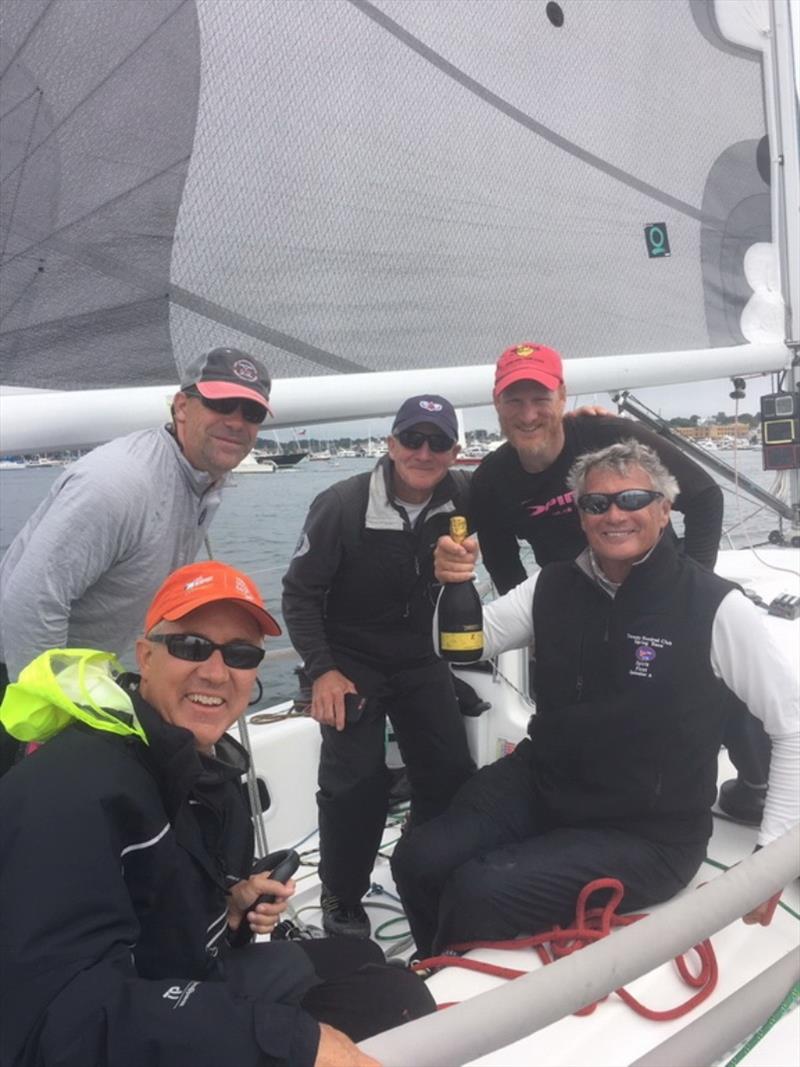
(453, 562)
(762, 915)
(327, 698)
(589, 409)
(337, 1050)
(264, 918)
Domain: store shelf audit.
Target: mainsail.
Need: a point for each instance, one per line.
(367, 185)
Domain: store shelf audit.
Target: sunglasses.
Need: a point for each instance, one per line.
(626, 500)
(240, 655)
(437, 442)
(251, 410)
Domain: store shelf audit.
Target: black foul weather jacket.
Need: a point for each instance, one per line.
(361, 580)
(114, 862)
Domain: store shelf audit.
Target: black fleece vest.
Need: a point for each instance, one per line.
(630, 715)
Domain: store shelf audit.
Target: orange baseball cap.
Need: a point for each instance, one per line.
(190, 587)
(528, 362)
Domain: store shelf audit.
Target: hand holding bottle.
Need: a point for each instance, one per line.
(455, 561)
(459, 613)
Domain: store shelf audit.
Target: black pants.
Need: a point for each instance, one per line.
(360, 994)
(747, 743)
(349, 985)
(495, 866)
(353, 779)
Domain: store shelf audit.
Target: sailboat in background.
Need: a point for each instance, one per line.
(376, 197)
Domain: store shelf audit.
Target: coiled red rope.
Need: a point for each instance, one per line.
(591, 924)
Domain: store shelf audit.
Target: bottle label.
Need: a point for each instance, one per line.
(462, 642)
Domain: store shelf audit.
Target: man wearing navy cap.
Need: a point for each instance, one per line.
(358, 603)
(82, 570)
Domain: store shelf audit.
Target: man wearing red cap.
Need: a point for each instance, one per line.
(520, 493)
(125, 857)
(520, 490)
(83, 568)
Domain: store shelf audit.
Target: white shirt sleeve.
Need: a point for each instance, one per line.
(508, 621)
(761, 673)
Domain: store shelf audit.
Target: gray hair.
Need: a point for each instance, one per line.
(618, 459)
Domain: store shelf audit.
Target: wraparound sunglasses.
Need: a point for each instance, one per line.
(414, 439)
(252, 411)
(626, 500)
(240, 655)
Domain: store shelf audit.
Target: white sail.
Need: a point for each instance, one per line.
(359, 186)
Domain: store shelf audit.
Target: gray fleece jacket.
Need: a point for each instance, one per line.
(84, 567)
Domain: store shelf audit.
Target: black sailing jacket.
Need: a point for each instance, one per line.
(361, 579)
(114, 860)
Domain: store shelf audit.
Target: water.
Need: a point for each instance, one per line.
(260, 518)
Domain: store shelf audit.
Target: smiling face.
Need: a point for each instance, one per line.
(205, 697)
(621, 538)
(530, 418)
(417, 471)
(210, 441)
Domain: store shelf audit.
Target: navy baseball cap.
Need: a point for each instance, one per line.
(427, 408)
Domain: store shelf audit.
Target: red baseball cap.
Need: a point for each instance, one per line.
(528, 362)
(190, 587)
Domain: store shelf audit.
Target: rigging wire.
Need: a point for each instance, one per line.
(99, 85)
(21, 173)
(45, 10)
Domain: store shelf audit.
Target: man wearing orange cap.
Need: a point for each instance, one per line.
(520, 493)
(82, 570)
(125, 857)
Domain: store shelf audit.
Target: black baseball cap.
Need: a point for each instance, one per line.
(226, 372)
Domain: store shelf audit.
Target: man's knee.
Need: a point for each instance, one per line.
(419, 858)
(346, 788)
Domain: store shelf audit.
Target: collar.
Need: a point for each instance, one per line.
(384, 514)
(200, 482)
(588, 562)
(174, 759)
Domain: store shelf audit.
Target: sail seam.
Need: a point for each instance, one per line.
(516, 115)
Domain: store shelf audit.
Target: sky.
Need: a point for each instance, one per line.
(670, 401)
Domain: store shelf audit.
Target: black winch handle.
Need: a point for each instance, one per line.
(281, 866)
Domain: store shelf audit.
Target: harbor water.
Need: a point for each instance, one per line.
(261, 515)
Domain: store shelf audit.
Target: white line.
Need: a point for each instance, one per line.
(145, 844)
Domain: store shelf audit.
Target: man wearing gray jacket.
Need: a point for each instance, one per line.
(83, 569)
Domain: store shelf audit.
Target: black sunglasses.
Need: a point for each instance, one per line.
(413, 439)
(240, 655)
(251, 410)
(626, 500)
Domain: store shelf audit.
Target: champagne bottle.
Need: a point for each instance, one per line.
(460, 614)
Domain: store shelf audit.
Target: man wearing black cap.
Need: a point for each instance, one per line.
(358, 603)
(82, 570)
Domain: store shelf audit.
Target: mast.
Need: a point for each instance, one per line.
(781, 66)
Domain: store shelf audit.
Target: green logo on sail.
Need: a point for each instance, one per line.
(657, 240)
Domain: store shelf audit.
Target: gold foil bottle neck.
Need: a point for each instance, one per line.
(458, 528)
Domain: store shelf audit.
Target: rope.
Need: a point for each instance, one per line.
(591, 924)
(789, 1002)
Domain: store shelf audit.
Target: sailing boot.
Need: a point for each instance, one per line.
(343, 920)
(741, 801)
